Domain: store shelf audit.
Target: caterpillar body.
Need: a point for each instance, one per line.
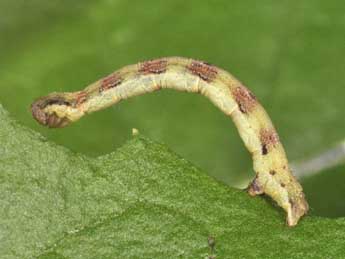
(273, 176)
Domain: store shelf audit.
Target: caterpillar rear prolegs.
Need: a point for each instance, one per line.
(273, 176)
(295, 208)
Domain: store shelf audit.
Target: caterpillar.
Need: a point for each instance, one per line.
(273, 176)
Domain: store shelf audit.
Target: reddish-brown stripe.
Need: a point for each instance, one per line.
(81, 97)
(156, 66)
(269, 138)
(110, 81)
(203, 70)
(245, 99)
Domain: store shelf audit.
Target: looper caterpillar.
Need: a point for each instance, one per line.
(273, 176)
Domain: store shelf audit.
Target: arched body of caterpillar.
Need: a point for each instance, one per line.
(273, 176)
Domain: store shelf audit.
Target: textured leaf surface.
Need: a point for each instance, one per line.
(142, 201)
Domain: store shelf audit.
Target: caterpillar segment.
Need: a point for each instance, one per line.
(273, 176)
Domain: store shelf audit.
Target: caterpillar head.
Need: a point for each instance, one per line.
(54, 111)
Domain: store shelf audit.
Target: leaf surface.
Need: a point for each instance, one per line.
(141, 201)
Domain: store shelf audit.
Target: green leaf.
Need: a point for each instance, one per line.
(325, 188)
(142, 201)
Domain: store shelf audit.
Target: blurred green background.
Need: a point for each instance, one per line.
(290, 53)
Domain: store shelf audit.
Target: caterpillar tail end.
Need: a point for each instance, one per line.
(54, 111)
(292, 200)
(297, 208)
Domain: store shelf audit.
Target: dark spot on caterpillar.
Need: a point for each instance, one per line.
(269, 139)
(109, 82)
(272, 172)
(245, 99)
(155, 66)
(264, 149)
(282, 185)
(203, 70)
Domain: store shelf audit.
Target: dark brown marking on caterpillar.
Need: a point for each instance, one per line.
(156, 66)
(109, 82)
(282, 185)
(57, 101)
(81, 98)
(203, 70)
(254, 188)
(272, 172)
(269, 139)
(245, 99)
